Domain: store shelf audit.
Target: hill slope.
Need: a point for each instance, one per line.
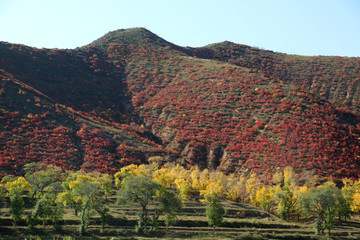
(224, 106)
(335, 79)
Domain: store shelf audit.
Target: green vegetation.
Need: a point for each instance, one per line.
(324, 201)
(214, 211)
(141, 190)
(146, 203)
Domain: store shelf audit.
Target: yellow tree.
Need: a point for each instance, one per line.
(146, 170)
(266, 196)
(15, 190)
(164, 177)
(123, 173)
(289, 176)
(234, 187)
(252, 186)
(213, 188)
(263, 198)
(182, 182)
(18, 186)
(195, 175)
(355, 203)
(215, 184)
(345, 203)
(286, 196)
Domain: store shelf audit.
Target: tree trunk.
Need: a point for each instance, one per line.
(81, 230)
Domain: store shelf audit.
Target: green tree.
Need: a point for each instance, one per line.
(2, 196)
(41, 176)
(214, 211)
(89, 194)
(323, 202)
(348, 191)
(88, 191)
(106, 183)
(17, 207)
(141, 190)
(103, 212)
(343, 208)
(47, 209)
(83, 192)
(69, 197)
(286, 202)
(170, 204)
(304, 204)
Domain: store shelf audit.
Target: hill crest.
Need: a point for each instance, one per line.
(130, 95)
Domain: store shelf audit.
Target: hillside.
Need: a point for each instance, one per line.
(130, 95)
(335, 79)
(56, 108)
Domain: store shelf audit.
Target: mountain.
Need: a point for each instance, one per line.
(130, 95)
(336, 79)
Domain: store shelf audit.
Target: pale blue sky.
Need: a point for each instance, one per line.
(305, 27)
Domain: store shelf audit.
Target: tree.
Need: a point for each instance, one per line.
(343, 207)
(2, 196)
(123, 173)
(351, 203)
(199, 179)
(214, 211)
(355, 205)
(141, 190)
(265, 197)
(82, 191)
(287, 202)
(105, 181)
(89, 192)
(18, 186)
(41, 176)
(304, 203)
(66, 197)
(235, 188)
(286, 192)
(164, 177)
(182, 181)
(15, 190)
(17, 207)
(103, 211)
(213, 188)
(170, 204)
(323, 202)
(47, 209)
(70, 185)
(252, 186)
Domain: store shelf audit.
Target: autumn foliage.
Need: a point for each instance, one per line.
(131, 95)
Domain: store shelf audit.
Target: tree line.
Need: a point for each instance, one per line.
(169, 185)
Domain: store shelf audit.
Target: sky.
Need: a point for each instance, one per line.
(303, 27)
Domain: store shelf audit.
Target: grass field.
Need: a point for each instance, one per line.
(241, 221)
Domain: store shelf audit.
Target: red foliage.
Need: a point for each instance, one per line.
(237, 112)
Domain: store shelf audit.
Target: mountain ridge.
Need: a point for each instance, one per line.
(224, 106)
